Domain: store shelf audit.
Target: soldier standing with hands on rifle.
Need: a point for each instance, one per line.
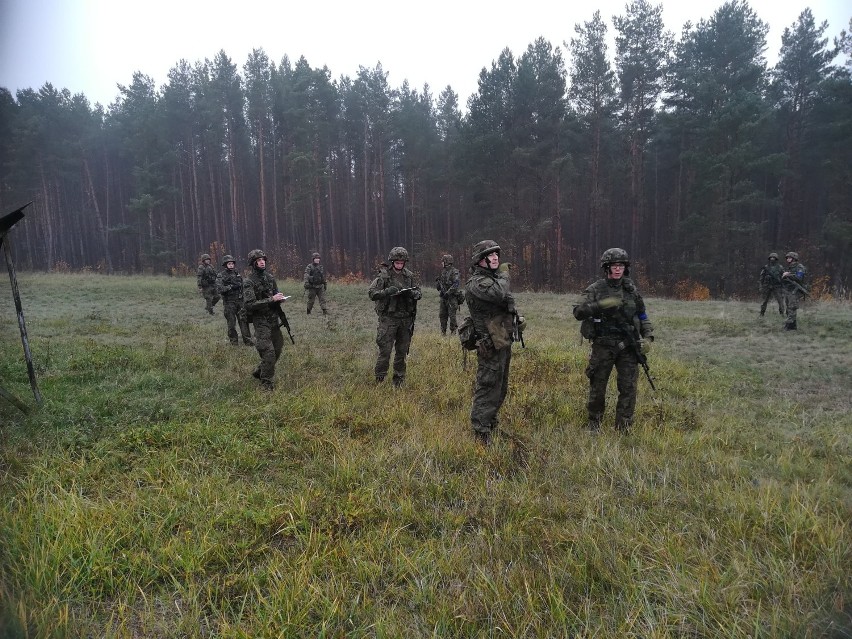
(206, 280)
(793, 278)
(229, 284)
(263, 307)
(395, 292)
(613, 317)
(315, 284)
(448, 285)
(770, 283)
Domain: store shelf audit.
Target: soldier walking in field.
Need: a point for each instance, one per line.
(448, 284)
(315, 283)
(613, 317)
(262, 304)
(793, 278)
(770, 283)
(229, 285)
(497, 323)
(395, 292)
(206, 279)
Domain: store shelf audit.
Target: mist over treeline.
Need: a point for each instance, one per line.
(688, 151)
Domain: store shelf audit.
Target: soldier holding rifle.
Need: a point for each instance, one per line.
(614, 319)
(263, 307)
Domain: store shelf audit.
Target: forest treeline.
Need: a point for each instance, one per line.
(691, 152)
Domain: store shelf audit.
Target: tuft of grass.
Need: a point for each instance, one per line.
(158, 492)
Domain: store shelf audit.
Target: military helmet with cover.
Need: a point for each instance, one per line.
(397, 253)
(792, 254)
(614, 255)
(315, 256)
(483, 248)
(773, 256)
(228, 258)
(447, 259)
(255, 255)
(205, 256)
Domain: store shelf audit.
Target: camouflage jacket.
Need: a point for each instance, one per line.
(398, 306)
(206, 276)
(448, 281)
(314, 275)
(229, 284)
(258, 289)
(612, 323)
(797, 273)
(491, 304)
(770, 275)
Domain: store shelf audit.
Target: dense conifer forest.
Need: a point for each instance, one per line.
(689, 150)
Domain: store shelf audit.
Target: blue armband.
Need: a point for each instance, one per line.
(643, 317)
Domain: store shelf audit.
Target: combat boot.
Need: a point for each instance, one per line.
(622, 425)
(483, 438)
(309, 311)
(267, 385)
(593, 425)
(790, 326)
(324, 311)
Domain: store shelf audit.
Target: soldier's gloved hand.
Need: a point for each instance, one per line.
(645, 346)
(391, 290)
(504, 267)
(608, 303)
(522, 323)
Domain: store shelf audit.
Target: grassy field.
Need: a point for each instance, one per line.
(159, 493)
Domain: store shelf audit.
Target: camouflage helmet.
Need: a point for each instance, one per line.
(447, 260)
(613, 255)
(483, 248)
(255, 255)
(315, 256)
(793, 254)
(773, 256)
(397, 253)
(228, 258)
(205, 256)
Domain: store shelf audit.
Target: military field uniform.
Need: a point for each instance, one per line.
(396, 313)
(492, 310)
(613, 327)
(258, 289)
(794, 289)
(206, 279)
(229, 285)
(315, 285)
(448, 284)
(770, 283)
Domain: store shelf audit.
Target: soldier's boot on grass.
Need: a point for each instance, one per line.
(790, 326)
(593, 425)
(622, 425)
(482, 437)
(325, 311)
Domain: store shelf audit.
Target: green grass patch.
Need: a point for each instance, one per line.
(159, 492)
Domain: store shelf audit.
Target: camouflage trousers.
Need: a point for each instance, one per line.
(210, 299)
(393, 332)
(792, 299)
(269, 342)
(316, 293)
(492, 384)
(236, 314)
(769, 292)
(447, 312)
(606, 355)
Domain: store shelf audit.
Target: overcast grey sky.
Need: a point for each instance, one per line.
(90, 46)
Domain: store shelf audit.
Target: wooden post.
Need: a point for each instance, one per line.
(18, 307)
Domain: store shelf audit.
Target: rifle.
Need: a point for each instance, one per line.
(282, 319)
(517, 335)
(792, 281)
(640, 356)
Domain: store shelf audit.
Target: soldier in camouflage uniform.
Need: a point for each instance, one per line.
(315, 284)
(448, 284)
(229, 285)
(395, 292)
(794, 288)
(206, 279)
(770, 283)
(493, 312)
(262, 304)
(614, 317)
